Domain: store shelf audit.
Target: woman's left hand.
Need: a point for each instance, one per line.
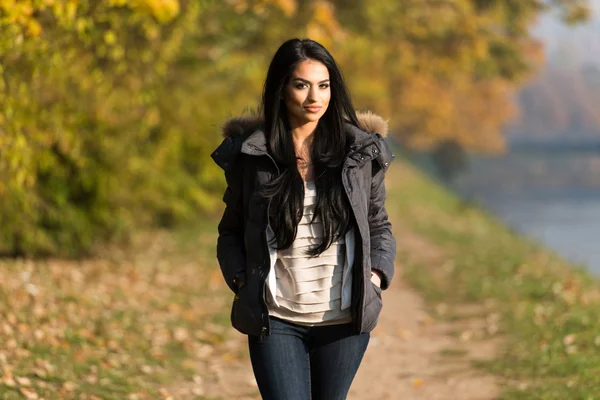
(376, 278)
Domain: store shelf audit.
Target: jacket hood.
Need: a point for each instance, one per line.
(246, 125)
(245, 135)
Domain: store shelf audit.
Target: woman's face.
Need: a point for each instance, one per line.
(307, 94)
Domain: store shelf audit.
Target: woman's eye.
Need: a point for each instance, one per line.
(300, 86)
(324, 86)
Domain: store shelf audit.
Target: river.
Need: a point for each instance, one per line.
(550, 196)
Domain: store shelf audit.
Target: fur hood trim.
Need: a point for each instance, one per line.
(240, 126)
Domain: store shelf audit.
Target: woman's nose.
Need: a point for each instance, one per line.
(313, 94)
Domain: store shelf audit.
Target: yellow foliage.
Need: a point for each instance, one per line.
(110, 37)
(324, 26)
(108, 103)
(162, 10)
(289, 7)
(34, 28)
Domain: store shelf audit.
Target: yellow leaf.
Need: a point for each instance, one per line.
(417, 382)
(34, 28)
(110, 37)
(288, 7)
(23, 381)
(29, 394)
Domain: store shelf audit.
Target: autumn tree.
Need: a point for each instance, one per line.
(109, 109)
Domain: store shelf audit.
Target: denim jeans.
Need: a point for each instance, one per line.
(298, 362)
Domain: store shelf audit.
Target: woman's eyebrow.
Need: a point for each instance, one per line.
(307, 81)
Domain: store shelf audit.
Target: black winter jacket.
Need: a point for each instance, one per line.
(242, 248)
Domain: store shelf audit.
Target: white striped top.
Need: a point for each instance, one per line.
(309, 289)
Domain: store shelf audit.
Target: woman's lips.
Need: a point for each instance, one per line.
(313, 109)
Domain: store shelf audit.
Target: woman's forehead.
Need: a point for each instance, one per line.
(311, 70)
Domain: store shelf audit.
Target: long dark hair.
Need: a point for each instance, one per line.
(329, 147)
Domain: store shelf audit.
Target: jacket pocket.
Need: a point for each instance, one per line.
(373, 306)
(243, 313)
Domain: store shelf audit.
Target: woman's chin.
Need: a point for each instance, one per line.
(304, 118)
(312, 117)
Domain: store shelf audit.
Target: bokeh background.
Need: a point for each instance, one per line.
(109, 201)
(109, 109)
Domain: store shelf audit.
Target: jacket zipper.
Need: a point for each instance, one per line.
(265, 329)
(361, 293)
(358, 323)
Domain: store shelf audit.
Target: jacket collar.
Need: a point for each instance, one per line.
(245, 134)
(250, 128)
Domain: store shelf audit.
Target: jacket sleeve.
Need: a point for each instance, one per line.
(231, 252)
(383, 243)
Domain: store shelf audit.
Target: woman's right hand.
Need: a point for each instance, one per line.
(239, 280)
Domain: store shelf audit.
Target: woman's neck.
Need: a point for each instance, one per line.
(303, 137)
(304, 133)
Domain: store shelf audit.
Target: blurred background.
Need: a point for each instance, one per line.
(109, 109)
(109, 201)
(546, 182)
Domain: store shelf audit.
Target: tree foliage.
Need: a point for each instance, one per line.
(560, 101)
(109, 108)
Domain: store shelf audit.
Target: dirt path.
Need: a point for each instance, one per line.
(412, 355)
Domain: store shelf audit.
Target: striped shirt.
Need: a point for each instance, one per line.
(309, 289)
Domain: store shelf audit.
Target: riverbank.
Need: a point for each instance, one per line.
(548, 310)
(152, 321)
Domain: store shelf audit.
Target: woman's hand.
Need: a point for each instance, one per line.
(376, 278)
(239, 280)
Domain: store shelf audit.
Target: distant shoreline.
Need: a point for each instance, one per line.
(555, 145)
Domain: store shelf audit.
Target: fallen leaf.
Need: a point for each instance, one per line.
(404, 334)
(425, 320)
(165, 394)
(180, 334)
(569, 339)
(8, 381)
(23, 381)
(146, 369)
(417, 382)
(466, 336)
(29, 394)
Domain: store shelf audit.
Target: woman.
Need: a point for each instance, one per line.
(305, 241)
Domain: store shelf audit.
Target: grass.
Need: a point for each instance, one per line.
(125, 325)
(549, 309)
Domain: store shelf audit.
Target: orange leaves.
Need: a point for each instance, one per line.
(7, 376)
(29, 394)
(106, 322)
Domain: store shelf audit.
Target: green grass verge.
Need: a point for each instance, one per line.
(550, 309)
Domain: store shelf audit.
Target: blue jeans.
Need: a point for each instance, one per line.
(298, 362)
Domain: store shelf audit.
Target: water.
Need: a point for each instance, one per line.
(553, 198)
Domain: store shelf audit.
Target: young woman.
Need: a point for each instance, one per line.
(305, 242)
